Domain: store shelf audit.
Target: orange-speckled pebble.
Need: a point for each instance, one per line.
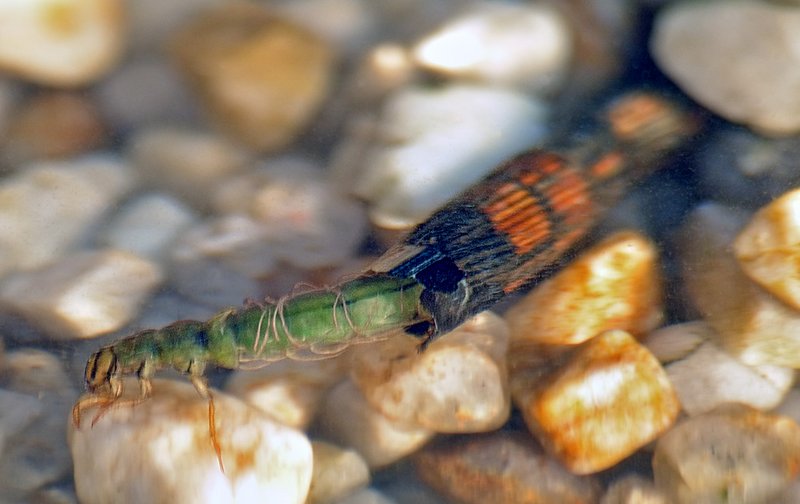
(501, 467)
(614, 285)
(603, 401)
(261, 78)
(732, 454)
(768, 249)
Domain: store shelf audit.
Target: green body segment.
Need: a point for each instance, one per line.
(316, 322)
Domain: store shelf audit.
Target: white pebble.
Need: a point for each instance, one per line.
(160, 451)
(435, 143)
(61, 42)
(347, 419)
(83, 295)
(458, 384)
(526, 46)
(47, 208)
(739, 59)
(147, 225)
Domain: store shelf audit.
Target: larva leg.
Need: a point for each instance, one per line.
(202, 388)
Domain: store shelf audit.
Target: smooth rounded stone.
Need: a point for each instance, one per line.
(708, 49)
(633, 489)
(52, 125)
(37, 397)
(306, 223)
(347, 25)
(500, 467)
(674, 342)
(749, 323)
(523, 46)
(144, 92)
(431, 144)
(288, 391)
(337, 473)
(604, 400)
(743, 169)
(61, 42)
(735, 454)
(347, 419)
(83, 295)
(614, 285)
(159, 450)
(187, 163)
(260, 78)
(768, 248)
(147, 225)
(47, 208)
(709, 377)
(458, 384)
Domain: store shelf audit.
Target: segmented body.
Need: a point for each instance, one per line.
(508, 231)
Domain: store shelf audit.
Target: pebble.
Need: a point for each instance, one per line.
(189, 164)
(605, 399)
(147, 225)
(35, 399)
(47, 208)
(500, 467)
(524, 46)
(347, 419)
(337, 473)
(614, 285)
(347, 25)
(159, 451)
(734, 454)
(305, 222)
(52, 125)
(708, 49)
(260, 78)
(145, 92)
(768, 248)
(61, 43)
(83, 295)
(633, 489)
(458, 384)
(709, 377)
(750, 324)
(288, 391)
(151, 23)
(431, 144)
(674, 342)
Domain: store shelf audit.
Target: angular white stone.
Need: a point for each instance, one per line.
(288, 391)
(159, 451)
(768, 248)
(527, 46)
(61, 42)
(739, 59)
(83, 295)
(347, 419)
(147, 225)
(458, 384)
(337, 473)
(435, 143)
(49, 206)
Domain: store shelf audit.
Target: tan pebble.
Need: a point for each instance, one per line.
(337, 473)
(261, 78)
(160, 450)
(52, 125)
(347, 419)
(614, 285)
(633, 489)
(750, 324)
(737, 453)
(61, 42)
(500, 467)
(606, 399)
(768, 249)
(458, 384)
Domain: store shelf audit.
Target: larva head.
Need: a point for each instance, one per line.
(101, 368)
